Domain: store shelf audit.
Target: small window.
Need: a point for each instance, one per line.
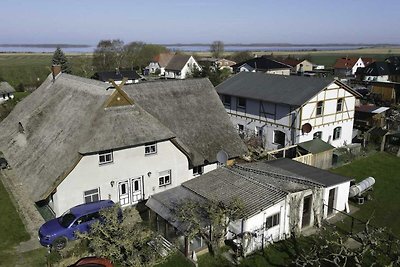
(337, 133)
(240, 128)
(164, 178)
(105, 157)
(150, 148)
(272, 221)
(197, 170)
(91, 195)
(241, 102)
(258, 131)
(226, 100)
(339, 105)
(320, 108)
(279, 138)
(317, 135)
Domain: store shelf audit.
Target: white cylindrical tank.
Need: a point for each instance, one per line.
(361, 187)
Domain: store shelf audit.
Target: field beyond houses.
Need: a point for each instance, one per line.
(28, 70)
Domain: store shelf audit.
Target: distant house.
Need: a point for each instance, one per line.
(369, 116)
(298, 65)
(117, 76)
(287, 110)
(6, 92)
(382, 71)
(74, 141)
(159, 63)
(216, 63)
(386, 91)
(263, 64)
(225, 64)
(180, 67)
(347, 66)
(279, 197)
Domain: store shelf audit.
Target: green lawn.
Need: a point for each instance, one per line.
(384, 207)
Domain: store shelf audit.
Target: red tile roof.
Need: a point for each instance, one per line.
(345, 62)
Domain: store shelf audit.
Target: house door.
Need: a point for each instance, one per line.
(123, 192)
(331, 200)
(136, 189)
(307, 202)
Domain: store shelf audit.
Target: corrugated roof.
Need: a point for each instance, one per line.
(6, 88)
(291, 90)
(317, 175)
(316, 146)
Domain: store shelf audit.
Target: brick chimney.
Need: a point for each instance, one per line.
(55, 70)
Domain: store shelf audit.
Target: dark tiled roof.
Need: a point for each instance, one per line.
(291, 90)
(262, 63)
(177, 62)
(312, 173)
(105, 76)
(377, 68)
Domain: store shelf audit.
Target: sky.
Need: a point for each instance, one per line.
(201, 21)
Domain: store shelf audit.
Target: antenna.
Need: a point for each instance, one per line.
(222, 157)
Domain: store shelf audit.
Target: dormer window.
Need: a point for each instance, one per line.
(150, 148)
(241, 102)
(105, 157)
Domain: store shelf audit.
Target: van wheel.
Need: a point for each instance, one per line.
(59, 243)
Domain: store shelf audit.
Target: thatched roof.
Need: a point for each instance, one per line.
(47, 133)
(6, 88)
(193, 111)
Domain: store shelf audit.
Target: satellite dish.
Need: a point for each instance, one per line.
(306, 128)
(222, 157)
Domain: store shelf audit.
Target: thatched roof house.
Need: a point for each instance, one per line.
(67, 118)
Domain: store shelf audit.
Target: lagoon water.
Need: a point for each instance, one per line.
(187, 48)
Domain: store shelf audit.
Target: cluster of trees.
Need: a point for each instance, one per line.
(112, 54)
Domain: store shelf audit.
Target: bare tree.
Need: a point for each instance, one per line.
(217, 49)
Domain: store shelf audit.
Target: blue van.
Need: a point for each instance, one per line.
(55, 233)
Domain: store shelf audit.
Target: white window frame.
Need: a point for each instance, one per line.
(321, 112)
(106, 157)
(164, 178)
(339, 102)
(337, 133)
(90, 194)
(150, 149)
(240, 126)
(275, 220)
(198, 170)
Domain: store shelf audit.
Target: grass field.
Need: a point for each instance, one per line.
(384, 207)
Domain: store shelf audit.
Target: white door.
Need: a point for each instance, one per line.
(136, 189)
(123, 192)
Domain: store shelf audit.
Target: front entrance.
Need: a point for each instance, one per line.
(130, 191)
(307, 205)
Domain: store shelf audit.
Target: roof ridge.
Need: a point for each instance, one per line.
(295, 179)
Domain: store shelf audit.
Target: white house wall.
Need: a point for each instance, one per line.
(185, 72)
(279, 71)
(127, 163)
(330, 119)
(341, 197)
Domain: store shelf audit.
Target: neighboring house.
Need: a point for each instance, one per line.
(382, 71)
(225, 64)
(299, 66)
(387, 92)
(73, 141)
(180, 67)
(369, 116)
(347, 66)
(262, 64)
(159, 63)
(279, 197)
(117, 76)
(287, 110)
(221, 64)
(6, 92)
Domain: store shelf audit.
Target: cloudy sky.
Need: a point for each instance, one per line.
(187, 21)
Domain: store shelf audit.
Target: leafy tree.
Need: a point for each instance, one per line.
(209, 219)
(133, 52)
(241, 56)
(148, 52)
(108, 55)
(123, 241)
(59, 58)
(214, 74)
(217, 49)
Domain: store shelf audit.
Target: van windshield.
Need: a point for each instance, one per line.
(66, 219)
